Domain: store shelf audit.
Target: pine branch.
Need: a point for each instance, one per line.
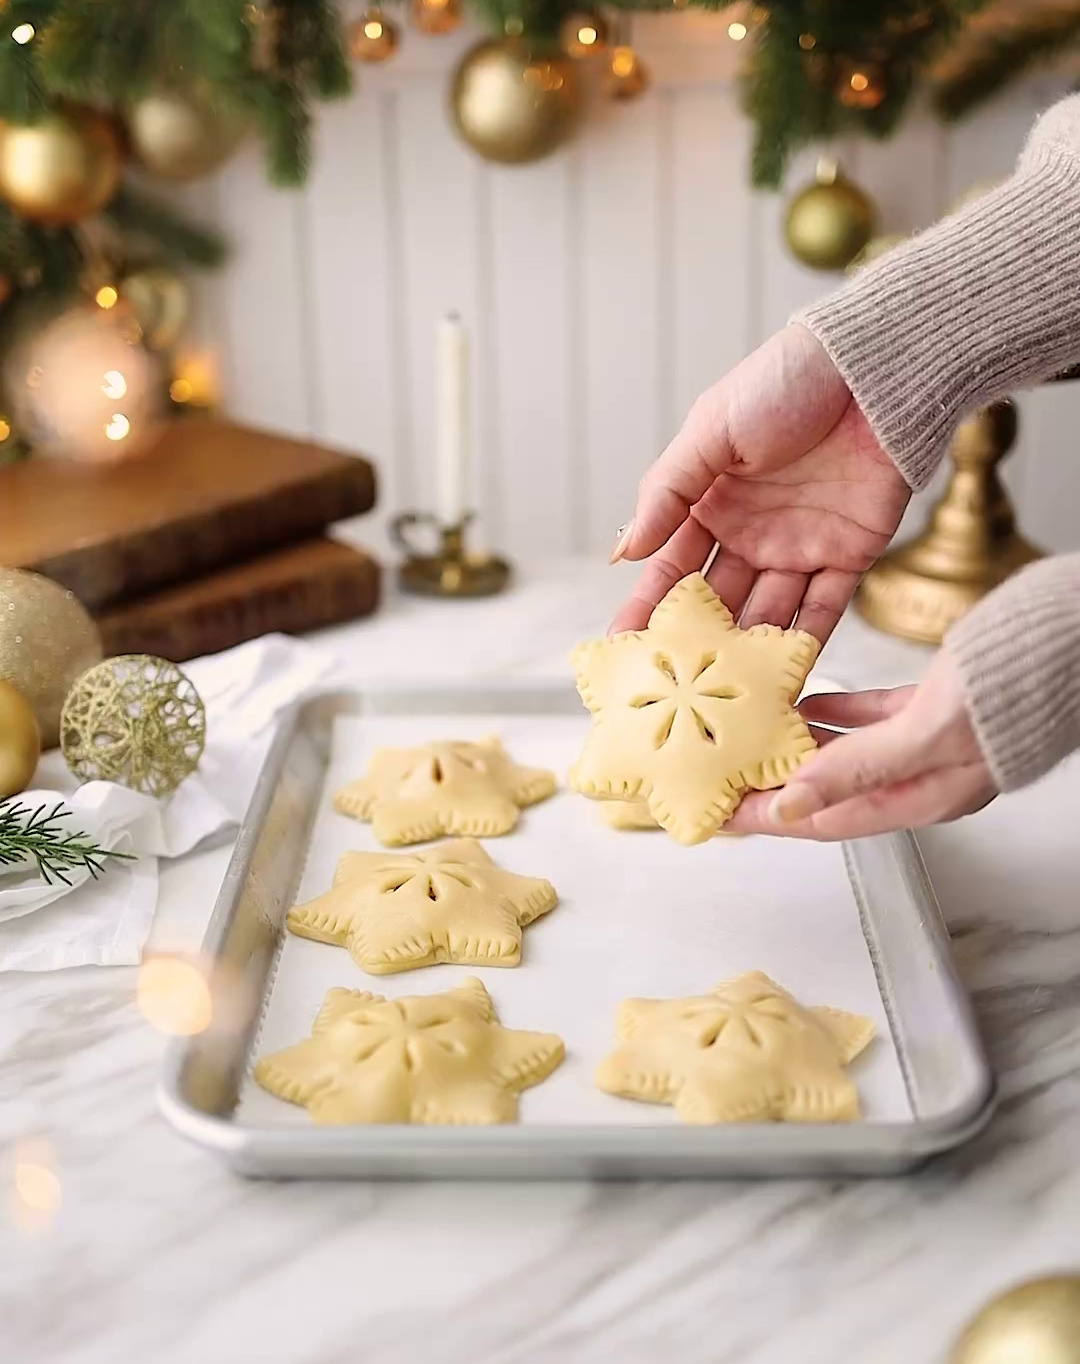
(28, 835)
(136, 214)
(1000, 58)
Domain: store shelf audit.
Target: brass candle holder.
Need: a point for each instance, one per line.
(971, 544)
(450, 571)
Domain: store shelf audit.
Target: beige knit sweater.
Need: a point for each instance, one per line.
(983, 303)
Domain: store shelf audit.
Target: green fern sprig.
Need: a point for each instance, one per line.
(37, 835)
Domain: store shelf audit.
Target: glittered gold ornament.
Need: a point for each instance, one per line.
(861, 85)
(83, 387)
(627, 76)
(46, 640)
(1036, 1323)
(160, 300)
(61, 169)
(435, 16)
(372, 38)
(183, 134)
(583, 34)
(20, 741)
(830, 221)
(134, 719)
(512, 104)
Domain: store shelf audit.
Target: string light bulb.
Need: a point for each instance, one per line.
(807, 42)
(736, 31)
(372, 38)
(106, 297)
(5, 430)
(173, 996)
(627, 75)
(115, 385)
(583, 34)
(23, 34)
(118, 427)
(862, 86)
(435, 16)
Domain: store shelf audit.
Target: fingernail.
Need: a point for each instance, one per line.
(795, 802)
(622, 539)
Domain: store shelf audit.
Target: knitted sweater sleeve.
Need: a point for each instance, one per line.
(983, 303)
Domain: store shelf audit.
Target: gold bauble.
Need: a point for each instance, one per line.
(1036, 1323)
(512, 104)
(61, 169)
(627, 76)
(46, 640)
(83, 387)
(583, 34)
(160, 300)
(435, 16)
(20, 741)
(182, 134)
(372, 38)
(136, 719)
(830, 221)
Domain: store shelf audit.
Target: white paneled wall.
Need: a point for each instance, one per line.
(604, 287)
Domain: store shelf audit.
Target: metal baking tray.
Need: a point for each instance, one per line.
(942, 1087)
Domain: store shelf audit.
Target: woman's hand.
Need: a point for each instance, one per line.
(911, 759)
(777, 464)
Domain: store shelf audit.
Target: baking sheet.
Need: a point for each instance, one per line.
(638, 915)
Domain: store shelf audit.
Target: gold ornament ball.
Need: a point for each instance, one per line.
(134, 719)
(435, 16)
(46, 640)
(512, 105)
(182, 134)
(372, 38)
(82, 387)
(583, 34)
(830, 221)
(160, 301)
(1036, 1323)
(20, 741)
(627, 76)
(63, 168)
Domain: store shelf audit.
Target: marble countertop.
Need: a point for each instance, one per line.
(158, 1253)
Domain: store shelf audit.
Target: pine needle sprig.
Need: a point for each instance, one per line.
(37, 835)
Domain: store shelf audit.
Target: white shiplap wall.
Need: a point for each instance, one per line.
(605, 286)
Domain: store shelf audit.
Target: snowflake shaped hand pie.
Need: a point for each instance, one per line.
(692, 711)
(746, 1052)
(636, 815)
(398, 911)
(471, 789)
(422, 1059)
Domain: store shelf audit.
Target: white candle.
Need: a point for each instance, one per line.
(453, 434)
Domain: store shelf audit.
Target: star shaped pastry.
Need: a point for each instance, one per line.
(396, 911)
(692, 712)
(745, 1052)
(422, 1059)
(473, 789)
(636, 815)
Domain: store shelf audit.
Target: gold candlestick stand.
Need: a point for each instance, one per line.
(970, 545)
(451, 571)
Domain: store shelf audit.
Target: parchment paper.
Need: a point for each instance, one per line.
(638, 915)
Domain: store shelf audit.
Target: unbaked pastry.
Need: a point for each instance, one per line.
(691, 712)
(422, 1059)
(396, 911)
(636, 815)
(472, 789)
(745, 1052)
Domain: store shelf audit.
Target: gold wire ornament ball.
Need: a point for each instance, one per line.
(134, 719)
(627, 74)
(372, 38)
(583, 34)
(435, 17)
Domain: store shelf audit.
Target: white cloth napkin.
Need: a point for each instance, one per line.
(107, 921)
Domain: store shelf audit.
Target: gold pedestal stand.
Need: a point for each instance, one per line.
(451, 571)
(971, 544)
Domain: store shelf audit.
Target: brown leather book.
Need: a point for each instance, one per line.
(304, 587)
(209, 494)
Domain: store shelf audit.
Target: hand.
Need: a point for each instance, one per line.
(912, 759)
(777, 464)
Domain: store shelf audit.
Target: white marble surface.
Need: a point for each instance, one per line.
(159, 1254)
